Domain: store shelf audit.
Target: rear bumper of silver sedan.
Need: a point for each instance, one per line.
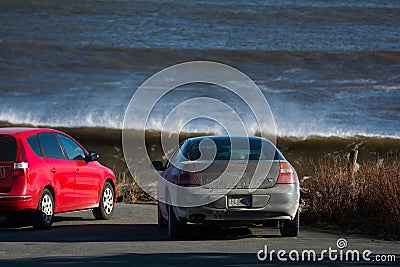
(278, 203)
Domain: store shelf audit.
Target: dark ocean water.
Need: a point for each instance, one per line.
(326, 67)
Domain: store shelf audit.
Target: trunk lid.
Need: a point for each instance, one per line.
(257, 174)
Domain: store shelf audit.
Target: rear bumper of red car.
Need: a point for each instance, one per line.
(15, 203)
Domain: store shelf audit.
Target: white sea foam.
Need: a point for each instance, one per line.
(107, 119)
(114, 121)
(387, 88)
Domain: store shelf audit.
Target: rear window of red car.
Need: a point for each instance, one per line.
(8, 149)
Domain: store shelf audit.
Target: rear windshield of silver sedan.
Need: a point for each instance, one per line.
(225, 150)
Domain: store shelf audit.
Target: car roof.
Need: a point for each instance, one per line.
(23, 130)
(227, 137)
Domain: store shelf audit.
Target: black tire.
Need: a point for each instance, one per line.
(162, 223)
(290, 228)
(105, 209)
(176, 228)
(44, 216)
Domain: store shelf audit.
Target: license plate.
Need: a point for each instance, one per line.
(238, 201)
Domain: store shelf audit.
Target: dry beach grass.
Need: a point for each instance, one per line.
(366, 202)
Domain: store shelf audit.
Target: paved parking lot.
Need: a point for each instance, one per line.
(132, 238)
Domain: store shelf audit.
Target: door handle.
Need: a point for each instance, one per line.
(77, 171)
(53, 170)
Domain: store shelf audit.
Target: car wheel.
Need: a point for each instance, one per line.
(162, 223)
(176, 228)
(105, 209)
(43, 217)
(290, 228)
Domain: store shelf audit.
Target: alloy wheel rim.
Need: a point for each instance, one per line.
(108, 201)
(47, 209)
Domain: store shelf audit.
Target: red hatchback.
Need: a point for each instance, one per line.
(45, 171)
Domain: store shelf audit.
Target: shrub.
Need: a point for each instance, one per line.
(366, 202)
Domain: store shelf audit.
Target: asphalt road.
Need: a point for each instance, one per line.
(132, 238)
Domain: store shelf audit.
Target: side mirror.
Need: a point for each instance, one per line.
(93, 156)
(158, 165)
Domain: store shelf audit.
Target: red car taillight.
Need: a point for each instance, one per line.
(286, 174)
(187, 179)
(21, 161)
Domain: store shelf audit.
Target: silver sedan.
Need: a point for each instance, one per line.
(227, 181)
